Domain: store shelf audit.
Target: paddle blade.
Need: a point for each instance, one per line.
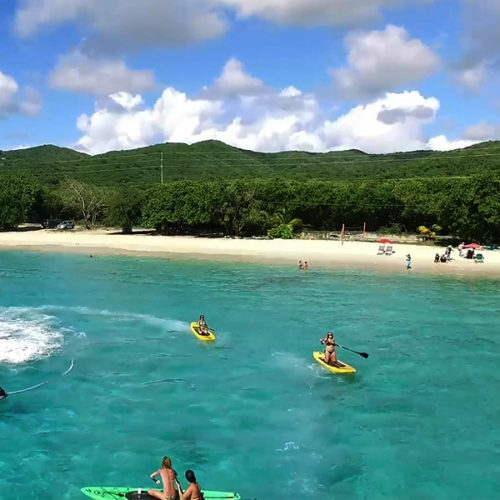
(364, 354)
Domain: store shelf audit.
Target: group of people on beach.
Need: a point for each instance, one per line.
(303, 265)
(446, 257)
(172, 489)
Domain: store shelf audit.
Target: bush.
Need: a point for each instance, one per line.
(283, 231)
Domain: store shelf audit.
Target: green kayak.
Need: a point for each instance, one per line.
(112, 493)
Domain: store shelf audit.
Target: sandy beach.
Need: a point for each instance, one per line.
(318, 253)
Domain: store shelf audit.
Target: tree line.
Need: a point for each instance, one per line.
(468, 208)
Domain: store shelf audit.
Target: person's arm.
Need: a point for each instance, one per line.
(153, 475)
(186, 495)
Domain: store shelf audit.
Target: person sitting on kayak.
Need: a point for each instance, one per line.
(3, 394)
(168, 477)
(202, 326)
(330, 354)
(193, 491)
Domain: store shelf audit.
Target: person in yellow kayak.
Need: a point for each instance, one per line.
(168, 478)
(202, 326)
(330, 353)
(193, 491)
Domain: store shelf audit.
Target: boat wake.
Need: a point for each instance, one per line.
(27, 334)
(164, 324)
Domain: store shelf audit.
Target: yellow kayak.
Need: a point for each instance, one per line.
(195, 329)
(345, 368)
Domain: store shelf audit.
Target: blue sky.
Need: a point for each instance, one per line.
(268, 75)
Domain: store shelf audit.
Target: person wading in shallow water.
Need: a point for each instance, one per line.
(168, 477)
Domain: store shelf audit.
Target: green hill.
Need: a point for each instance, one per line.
(212, 159)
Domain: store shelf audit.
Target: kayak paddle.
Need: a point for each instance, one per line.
(364, 354)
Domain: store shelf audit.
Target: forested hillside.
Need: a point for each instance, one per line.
(211, 187)
(213, 159)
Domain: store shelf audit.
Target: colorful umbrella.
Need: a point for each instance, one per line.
(385, 240)
(473, 245)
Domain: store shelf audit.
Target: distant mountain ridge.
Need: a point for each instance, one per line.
(214, 159)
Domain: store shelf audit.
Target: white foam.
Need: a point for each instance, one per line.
(27, 334)
(165, 324)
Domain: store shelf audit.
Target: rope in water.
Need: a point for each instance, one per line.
(33, 387)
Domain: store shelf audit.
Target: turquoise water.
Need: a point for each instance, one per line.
(253, 412)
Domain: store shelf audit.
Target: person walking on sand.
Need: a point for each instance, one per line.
(168, 478)
(408, 261)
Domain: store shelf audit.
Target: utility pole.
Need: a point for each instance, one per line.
(161, 166)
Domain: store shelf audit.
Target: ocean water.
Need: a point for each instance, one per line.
(252, 412)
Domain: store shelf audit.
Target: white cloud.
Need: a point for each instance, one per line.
(121, 25)
(12, 103)
(272, 121)
(365, 128)
(32, 103)
(379, 61)
(472, 135)
(441, 143)
(313, 12)
(79, 73)
(471, 77)
(482, 132)
(481, 39)
(233, 81)
(8, 91)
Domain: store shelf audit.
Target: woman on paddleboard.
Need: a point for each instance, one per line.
(202, 326)
(193, 491)
(330, 353)
(168, 477)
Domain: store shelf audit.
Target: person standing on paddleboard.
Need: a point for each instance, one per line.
(168, 477)
(330, 353)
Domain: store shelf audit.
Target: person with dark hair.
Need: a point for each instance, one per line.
(330, 354)
(202, 326)
(3, 394)
(168, 477)
(193, 491)
(436, 258)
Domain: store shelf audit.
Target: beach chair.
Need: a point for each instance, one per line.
(381, 250)
(388, 250)
(479, 258)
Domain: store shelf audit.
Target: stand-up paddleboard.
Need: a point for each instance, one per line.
(112, 493)
(344, 368)
(195, 328)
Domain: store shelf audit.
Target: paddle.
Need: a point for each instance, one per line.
(364, 354)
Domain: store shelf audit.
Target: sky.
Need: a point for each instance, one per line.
(265, 75)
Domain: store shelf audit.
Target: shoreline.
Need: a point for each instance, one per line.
(319, 253)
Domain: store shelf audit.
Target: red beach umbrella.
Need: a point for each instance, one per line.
(473, 245)
(385, 240)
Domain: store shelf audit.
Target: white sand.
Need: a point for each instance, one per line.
(318, 253)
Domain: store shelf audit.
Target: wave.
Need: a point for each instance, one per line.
(27, 334)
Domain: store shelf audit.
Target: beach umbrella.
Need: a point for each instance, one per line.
(385, 240)
(473, 245)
